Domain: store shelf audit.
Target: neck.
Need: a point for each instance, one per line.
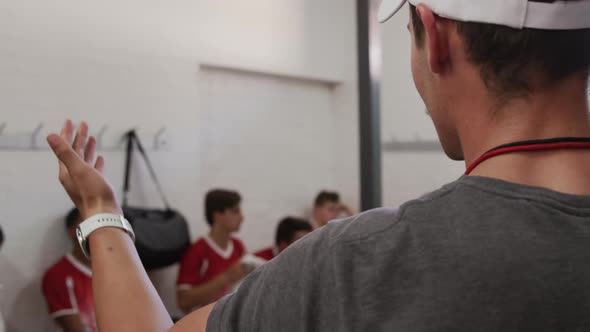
(220, 236)
(560, 112)
(79, 255)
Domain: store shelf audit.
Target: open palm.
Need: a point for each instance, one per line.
(80, 173)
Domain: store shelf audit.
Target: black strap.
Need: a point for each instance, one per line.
(131, 139)
(128, 157)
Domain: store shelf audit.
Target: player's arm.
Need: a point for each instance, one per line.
(195, 322)
(70, 323)
(198, 296)
(347, 210)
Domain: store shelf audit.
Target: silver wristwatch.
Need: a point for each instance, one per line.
(99, 221)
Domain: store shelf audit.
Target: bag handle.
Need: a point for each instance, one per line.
(131, 139)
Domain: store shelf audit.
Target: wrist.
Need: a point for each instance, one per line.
(102, 223)
(110, 206)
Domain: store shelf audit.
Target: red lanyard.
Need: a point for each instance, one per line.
(531, 146)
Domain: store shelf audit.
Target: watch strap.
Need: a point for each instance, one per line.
(98, 221)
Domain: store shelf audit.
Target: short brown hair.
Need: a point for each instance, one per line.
(326, 197)
(219, 200)
(511, 58)
(73, 218)
(288, 227)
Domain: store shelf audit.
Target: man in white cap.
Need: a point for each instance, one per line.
(504, 248)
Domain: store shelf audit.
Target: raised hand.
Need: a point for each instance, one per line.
(343, 208)
(80, 174)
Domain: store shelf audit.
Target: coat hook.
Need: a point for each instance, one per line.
(34, 136)
(100, 135)
(158, 141)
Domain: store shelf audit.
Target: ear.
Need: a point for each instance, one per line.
(217, 214)
(436, 39)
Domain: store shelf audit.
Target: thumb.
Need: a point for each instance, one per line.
(63, 151)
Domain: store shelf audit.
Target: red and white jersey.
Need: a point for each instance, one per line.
(268, 253)
(67, 287)
(205, 260)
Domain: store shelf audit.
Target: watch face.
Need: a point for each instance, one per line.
(79, 235)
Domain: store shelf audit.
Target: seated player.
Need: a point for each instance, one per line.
(67, 286)
(327, 207)
(290, 229)
(212, 266)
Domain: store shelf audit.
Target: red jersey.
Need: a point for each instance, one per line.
(67, 287)
(205, 260)
(267, 254)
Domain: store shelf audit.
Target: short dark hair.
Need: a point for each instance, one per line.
(509, 59)
(218, 200)
(326, 196)
(1, 236)
(72, 218)
(288, 227)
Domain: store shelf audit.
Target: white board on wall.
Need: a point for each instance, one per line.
(270, 138)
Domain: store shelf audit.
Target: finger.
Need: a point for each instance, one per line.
(65, 153)
(99, 165)
(67, 132)
(63, 170)
(80, 139)
(90, 150)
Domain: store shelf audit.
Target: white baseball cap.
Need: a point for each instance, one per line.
(560, 15)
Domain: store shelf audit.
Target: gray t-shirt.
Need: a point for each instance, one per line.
(477, 255)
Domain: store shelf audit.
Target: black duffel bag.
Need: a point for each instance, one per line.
(161, 235)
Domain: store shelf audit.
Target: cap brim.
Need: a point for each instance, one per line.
(388, 8)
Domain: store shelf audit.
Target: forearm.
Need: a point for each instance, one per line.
(125, 299)
(195, 322)
(348, 211)
(199, 296)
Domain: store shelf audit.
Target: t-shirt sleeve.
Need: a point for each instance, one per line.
(265, 254)
(283, 292)
(55, 290)
(189, 273)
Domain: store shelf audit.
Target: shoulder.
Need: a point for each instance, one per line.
(56, 272)
(314, 268)
(367, 224)
(58, 268)
(372, 221)
(198, 248)
(238, 244)
(199, 245)
(451, 201)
